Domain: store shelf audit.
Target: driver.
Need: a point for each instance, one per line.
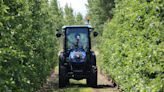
(77, 40)
(78, 43)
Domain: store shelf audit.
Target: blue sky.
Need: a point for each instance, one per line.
(77, 5)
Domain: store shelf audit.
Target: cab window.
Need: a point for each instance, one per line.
(77, 34)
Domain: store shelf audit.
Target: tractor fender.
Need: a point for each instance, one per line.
(61, 57)
(93, 58)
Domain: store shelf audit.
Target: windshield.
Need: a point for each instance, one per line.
(77, 38)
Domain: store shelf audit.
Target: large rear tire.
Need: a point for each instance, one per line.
(63, 80)
(92, 79)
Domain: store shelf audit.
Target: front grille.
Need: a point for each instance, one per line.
(78, 66)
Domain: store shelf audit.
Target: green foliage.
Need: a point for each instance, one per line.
(70, 18)
(28, 47)
(57, 15)
(68, 15)
(133, 47)
(100, 11)
(79, 19)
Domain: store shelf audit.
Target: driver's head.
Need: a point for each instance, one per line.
(77, 36)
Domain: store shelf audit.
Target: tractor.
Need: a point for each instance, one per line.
(77, 60)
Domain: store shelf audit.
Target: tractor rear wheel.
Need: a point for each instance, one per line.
(63, 80)
(92, 79)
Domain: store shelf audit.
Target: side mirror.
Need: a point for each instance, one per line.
(95, 34)
(58, 35)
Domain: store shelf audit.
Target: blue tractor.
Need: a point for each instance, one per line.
(77, 60)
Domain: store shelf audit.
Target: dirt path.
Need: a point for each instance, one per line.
(104, 85)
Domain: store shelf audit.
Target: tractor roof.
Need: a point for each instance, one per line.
(88, 26)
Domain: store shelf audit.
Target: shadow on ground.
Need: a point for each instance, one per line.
(72, 85)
